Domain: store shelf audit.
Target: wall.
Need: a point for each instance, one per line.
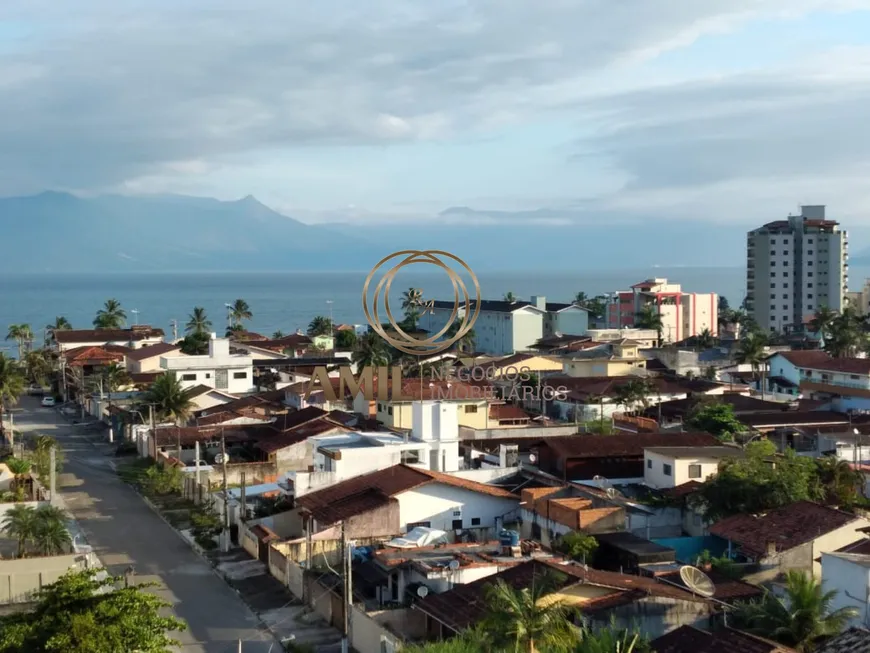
(662, 522)
(466, 433)
(851, 581)
(20, 579)
(434, 502)
(296, 457)
(655, 616)
(570, 321)
(400, 415)
(836, 540)
(528, 328)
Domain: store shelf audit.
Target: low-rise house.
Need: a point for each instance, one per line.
(219, 369)
(548, 513)
(512, 366)
(562, 318)
(849, 575)
(676, 411)
(205, 397)
(668, 467)
(601, 596)
(147, 359)
(617, 358)
(616, 457)
(689, 639)
(135, 337)
(791, 537)
(393, 501)
(502, 328)
(80, 364)
(299, 395)
(646, 337)
(294, 345)
(816, 373)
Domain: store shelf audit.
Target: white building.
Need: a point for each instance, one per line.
(502, 328)
(668, 467)
(849, 575)
(218, 369)
(562, 318)
(432, 444)
(794, 267)
(147, 359)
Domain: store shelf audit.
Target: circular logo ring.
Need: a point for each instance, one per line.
(403, 341)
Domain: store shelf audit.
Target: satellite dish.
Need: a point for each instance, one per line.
(532, 458)
(220, 458)
(697, 581)
(422, 591)
(453, 565)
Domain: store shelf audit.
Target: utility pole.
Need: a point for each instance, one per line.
(225, 536)
(306, 592)
(52, 477)
(345, 611)
(243, 509)
(174, 324)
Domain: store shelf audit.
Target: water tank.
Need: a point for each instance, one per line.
(508, 538)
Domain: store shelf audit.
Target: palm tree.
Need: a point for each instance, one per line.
(320, 326)
(278, 335)
(111, 316)
(233, 330)
(113, 377)
(467, 342)
(800, 619)
(22, 334)
(11, 384)
(581, 298)
(50, 534)
(60, 324)
(18, 467)
(751, 352)
(412, 298)
(822, 320)
(240, 311)
(170, 399)
(37, 365)
(20, 525)
(370, 351)
(845, 334)
(520, 620)
(198, 322)
(612, 640)
(649, 318)
(841, 483)
(706, 339)
(510, 297)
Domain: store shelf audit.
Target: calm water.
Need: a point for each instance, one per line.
(288, 300)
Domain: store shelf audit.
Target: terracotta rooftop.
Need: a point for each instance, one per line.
(727, 589)
(95, 355)
(628, 444)
(593, 387)
(293, 341)
(151, 350)
(507, 412)
(821, 360)
(688, 639)
(296, 434)
(786, 527)
(143, 332)
(362, 493)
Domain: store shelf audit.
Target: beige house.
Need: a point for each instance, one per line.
(668, 467)
(512, 365)
(618, 358)
(147, 359)
(472, 403)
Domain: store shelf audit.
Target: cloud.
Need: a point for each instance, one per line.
(98, 94)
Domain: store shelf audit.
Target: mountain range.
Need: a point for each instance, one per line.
(56, 232)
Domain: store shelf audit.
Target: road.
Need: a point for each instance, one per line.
(124, 531)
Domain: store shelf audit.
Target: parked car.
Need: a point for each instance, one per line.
(35, 389)
(48, 402)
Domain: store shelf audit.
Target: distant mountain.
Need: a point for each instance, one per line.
(62, 232)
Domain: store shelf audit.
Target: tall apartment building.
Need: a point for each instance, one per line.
(683, 314)
(794, 267)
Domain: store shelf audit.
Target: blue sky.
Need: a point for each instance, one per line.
(723, 110)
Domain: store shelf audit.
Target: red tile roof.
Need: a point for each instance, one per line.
(628, 444)
(507, 412)
(151, 350)
(297, 434)
(293, 341)
(95, 355)
(786, 527)
(336, 502)
(727, 589)
(820, 360)
(143, 332)
(688, 639)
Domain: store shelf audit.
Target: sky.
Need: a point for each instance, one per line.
(395, 110)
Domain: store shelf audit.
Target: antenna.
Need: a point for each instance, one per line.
(697, 581)
(453, 565)
(423, 591)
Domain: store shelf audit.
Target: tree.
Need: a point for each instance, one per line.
(113, 377)
(195, 344)
(845, 335)
(18, 467)
(83, 614)
(240, 311)
(11, 384)
(509, 297)
(111, 316)
(473, 640)
(518, 619)
(801, 619)
(466, 343)
(278, 335)
(371, 351)
(633, 393)
(841, 483)
(21, 334)
(20, 524)
(723, 306)
(233, 331)
(577, 545)
(345, 339)
(581, 298)
(822, 320)
(170, 399)
(706, 339)
(50, 535)
(60, 324)
(198, 323)
(751, 351)
(37, 365)
(320, 326)
(412, 301)
(649, 318)
(612, 639)
(716, 418)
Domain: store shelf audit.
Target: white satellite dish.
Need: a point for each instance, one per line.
(697, 581)
(532, 458)
(422, 591)
(219, 458)
(453, 565)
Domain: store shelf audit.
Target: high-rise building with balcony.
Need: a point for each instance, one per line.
(794, 267)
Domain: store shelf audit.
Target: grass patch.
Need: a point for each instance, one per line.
(207, 543)
(133, 472)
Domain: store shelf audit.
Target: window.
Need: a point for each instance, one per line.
(221, 381)
(809, 262)
(772, 263)
(694, 471)
(809, 295)
(649, 463)
(188, 377)
(457, 511)
(785, 274)
(240, 375)
(457, 525)
(785, 308)
(208, 375)
(810, 241)
(475, 521)
(772, 296)
(773, 285)
(424, 524)
(470, 409)
(773, 274)
(666, 469)
(784, 297)
(809, 285)
(390, 410)
(853, 376)
(785, 285)
(773, 241)
(810, 252)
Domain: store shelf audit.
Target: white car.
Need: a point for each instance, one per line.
(48, 402)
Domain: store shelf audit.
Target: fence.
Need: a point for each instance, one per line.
(632, 424)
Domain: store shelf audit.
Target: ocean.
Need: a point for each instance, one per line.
(287, 301)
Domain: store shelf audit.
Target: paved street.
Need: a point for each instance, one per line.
(124, 531)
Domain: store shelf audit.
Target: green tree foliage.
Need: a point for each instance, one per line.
(195, 344)
(60, 324)
(170, 399)
(801, 619)
(716, 418)
(239, 312)
(41, 530)
(198, 323)
(345, 339)
(595, 305)
(845, 335)
(577, 545)
(371, 350)
(509, 297)
(649, 318)
(320, 326)
(633, 394)
(37, 365)
(110, 316)
(753, 484)
(80, 614)
(40, 456)
(21, 334)
(841, 483)
(159, 481)
(612, 640)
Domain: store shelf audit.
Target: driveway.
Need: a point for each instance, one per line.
(123, 531)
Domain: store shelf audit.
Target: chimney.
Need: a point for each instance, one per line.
(218, 347)
(539, 301)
